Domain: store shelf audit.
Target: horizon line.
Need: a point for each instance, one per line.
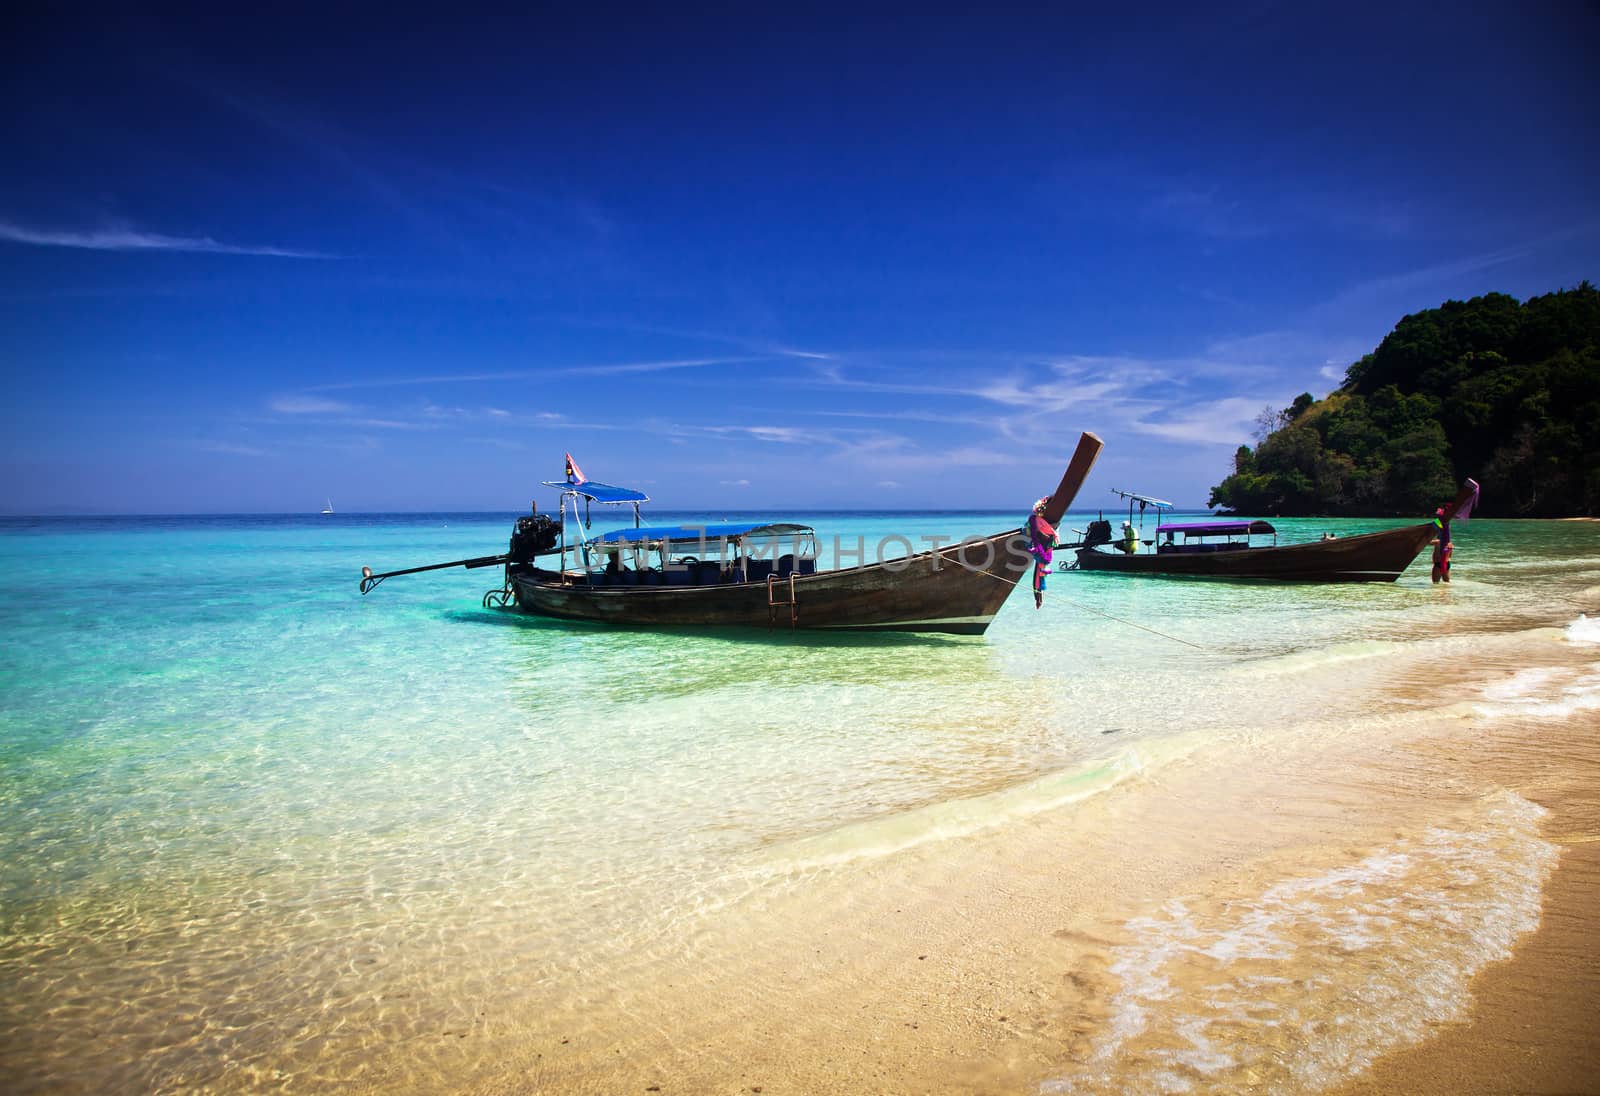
(72, 514)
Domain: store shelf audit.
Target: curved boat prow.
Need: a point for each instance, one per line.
(1461, 508)
(1089, 446)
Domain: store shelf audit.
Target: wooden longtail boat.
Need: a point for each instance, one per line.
(752, 574)
(957, 589)
(1223, 549)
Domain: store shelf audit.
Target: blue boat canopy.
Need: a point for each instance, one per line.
(690, 534)
(599, 492)
(1216, 528)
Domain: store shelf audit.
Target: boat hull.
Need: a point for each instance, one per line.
(955, 590)
(1372, 557)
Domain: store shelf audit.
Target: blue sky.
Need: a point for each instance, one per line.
(742, 256)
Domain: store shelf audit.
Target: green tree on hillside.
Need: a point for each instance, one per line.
(1503, 391)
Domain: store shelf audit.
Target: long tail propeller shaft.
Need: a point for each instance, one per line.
(369, 579)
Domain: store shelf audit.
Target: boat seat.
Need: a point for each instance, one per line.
(708, 572)
(808, 567)
(757, 570)
(679, 575)
(786, 565)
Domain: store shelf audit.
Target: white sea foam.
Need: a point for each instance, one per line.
(1522, 685)
(1329, 970)
(1583, 630)
(1542, 693)
(1547, 692)
(1565, 566)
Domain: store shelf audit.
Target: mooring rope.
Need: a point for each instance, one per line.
(991, 574)
(1085, 608)
(1131, 624)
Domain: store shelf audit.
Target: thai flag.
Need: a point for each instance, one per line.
(574, 473)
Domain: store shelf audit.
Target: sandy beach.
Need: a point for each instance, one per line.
(1531, 1027)
(983, 967)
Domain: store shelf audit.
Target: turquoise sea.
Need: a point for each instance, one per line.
(260, 831)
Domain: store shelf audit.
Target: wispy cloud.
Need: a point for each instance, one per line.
(230, 448)
(131, 239)
(914, 416)
(1118, 394)
(834, 376)
(308, 405)
(1069, 388)
(963, 456)
(788, 435)
(1226, 421)
(1015, 405)
(529, 374)
(388, 424)
(1390, 287)
(643, 367)
(823, 442)
(756, 345)
(735, 483)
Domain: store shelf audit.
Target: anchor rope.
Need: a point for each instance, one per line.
(1131, 624)
(990, 574)
(1087, 609)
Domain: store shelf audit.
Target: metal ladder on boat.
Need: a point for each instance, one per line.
(773, 604)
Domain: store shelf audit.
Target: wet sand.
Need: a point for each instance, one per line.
(1534, 1025)
(985, 966)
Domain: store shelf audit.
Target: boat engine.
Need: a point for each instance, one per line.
(534, 535)
(1099, 532)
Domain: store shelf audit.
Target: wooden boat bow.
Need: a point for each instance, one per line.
(1088, 451)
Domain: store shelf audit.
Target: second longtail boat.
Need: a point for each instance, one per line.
(1235, 549)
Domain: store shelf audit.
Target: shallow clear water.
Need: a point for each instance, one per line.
(250, 819)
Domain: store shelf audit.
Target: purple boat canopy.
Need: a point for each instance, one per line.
(1216, 528)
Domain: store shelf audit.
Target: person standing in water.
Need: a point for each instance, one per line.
(1441, 547)
(1041, 546)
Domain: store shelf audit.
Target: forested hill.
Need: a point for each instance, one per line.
(1505, 392)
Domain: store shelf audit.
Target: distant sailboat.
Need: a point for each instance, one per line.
(328, 509)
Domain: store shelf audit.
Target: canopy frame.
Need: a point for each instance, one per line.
(591, 492)
(1142, 501)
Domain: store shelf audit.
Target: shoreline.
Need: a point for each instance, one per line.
(1530, 1027)
(986, 965)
